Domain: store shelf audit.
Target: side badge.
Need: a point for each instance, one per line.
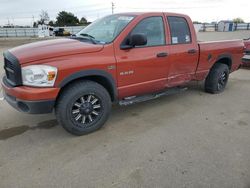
(127, 73)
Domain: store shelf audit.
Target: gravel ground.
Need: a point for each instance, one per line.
(192, 139)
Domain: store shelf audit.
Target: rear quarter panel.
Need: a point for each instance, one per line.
(212, 52)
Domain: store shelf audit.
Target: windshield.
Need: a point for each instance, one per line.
(106, 29)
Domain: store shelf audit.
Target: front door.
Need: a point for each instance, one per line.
(144, 69)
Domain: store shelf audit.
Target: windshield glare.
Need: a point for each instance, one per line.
(106, 29)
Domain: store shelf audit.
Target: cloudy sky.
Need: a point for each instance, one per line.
(22, 11)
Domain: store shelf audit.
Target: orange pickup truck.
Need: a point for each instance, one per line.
(122, 58)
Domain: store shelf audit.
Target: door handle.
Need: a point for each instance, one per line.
(192, 51)
(162, 54)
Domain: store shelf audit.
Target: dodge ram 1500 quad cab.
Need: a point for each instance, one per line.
(121, 58)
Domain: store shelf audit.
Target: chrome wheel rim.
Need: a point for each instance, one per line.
(222, 80)
(86, 110)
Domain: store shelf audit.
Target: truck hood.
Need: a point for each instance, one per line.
(52, 48)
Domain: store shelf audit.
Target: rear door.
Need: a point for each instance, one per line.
(184, 51)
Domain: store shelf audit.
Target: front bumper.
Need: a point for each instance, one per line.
(31, 107)
(30, 100)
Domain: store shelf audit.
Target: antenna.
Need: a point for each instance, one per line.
(112, 7)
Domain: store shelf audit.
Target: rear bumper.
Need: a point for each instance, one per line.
(246, 60)
(30, 100)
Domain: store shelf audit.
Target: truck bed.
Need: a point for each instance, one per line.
(212, 51)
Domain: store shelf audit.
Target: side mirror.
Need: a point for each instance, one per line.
(138, 39)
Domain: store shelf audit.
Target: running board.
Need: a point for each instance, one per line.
(135, 99)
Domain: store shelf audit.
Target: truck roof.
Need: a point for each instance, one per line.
(148, 13)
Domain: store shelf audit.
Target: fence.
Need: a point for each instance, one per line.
(18, 32)
(31, 32)
(214, 27)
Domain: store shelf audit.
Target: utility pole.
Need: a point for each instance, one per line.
(13, 22)
(33, 19)
(8, 21)
(112, 7)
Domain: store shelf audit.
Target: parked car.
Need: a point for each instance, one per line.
(120, 59)
(61, 32)
(246, 58)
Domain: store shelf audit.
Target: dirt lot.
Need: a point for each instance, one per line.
(192, 139)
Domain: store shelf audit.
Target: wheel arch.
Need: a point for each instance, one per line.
(102, 77)
(224, 59)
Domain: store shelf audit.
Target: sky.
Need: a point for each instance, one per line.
(23, 12)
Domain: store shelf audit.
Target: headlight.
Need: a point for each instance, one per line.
(39, 75)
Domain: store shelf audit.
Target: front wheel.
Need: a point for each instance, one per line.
(217, 78)
(83, 107)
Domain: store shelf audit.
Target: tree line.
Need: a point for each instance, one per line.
(63, 18)
(235, 20)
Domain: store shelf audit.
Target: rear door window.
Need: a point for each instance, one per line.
(179, 29)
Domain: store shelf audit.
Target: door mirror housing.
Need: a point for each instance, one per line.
(133, 40)
(138, 39)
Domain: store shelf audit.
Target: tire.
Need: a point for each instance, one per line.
(83, 107)
(217, 79)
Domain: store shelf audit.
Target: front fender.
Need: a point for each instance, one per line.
(108, 79)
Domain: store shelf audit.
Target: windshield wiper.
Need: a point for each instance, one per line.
(87, 35)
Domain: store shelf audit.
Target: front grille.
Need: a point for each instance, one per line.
(12, 69)
(9, 70)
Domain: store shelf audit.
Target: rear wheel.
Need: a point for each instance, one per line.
(83, 107)
(217, 79)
